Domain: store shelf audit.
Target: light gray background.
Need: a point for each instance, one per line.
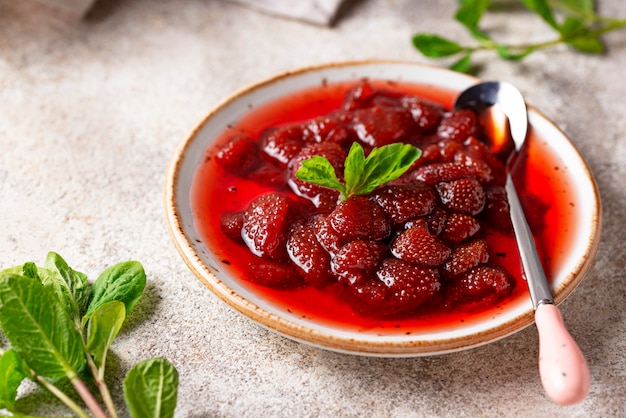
(91, 112)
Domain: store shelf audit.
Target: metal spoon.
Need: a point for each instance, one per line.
(562, 366)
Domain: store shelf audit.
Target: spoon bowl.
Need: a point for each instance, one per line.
(483, 96)
(562, 366)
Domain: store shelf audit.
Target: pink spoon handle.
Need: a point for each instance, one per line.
(562, 366)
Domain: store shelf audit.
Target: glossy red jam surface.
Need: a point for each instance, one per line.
(432, 249)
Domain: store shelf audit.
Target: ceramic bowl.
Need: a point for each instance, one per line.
(510, 317)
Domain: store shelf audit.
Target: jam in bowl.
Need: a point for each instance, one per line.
(421, 263)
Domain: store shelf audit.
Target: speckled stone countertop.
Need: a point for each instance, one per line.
(92, 110)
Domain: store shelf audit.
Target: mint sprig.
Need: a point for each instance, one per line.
(61, 329)
(361, 175)
(575, 22)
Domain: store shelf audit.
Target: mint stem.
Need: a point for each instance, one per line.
(88, 398)
(98, 375)
(611, 26)
(61, 396)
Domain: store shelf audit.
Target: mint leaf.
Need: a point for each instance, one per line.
(581, 28)
(75, 281)
(542, 8)
(39, 328)
(576, 34)
(30, 270)
(354, 167)
(361, 175)
(481, 37)
(589, 44)
(40, 311)
(435, 46)
(11, 376)
(381, 166)
(582, 7)
(463, 65)
(505, 53)
(318, 170)
(151, 389)
(104, 325)
(54, 281)
(69, 285)
(470, 12)
(124, 282)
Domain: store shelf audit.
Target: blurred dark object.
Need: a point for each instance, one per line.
(319, 12)
(75, 8)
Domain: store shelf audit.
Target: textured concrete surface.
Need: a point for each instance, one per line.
(91, 112)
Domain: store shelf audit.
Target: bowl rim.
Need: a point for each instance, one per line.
(409, 347)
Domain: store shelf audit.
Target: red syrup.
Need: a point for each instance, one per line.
(539, 172)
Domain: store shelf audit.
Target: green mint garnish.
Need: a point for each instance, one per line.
(361, 175)
(574, 22)
(61, 328)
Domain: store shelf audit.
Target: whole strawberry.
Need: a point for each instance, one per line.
(466, 257)
(481, 282)
(398, 286)
(377, 126)
(239, 155)
(463, 195)
(357, 260)
(265, 225)
(458, 125)
(360, 218)
(426, 115)
(273, 274)
(459, 228)
(326, 235)
(408, 285)
(308, 255)
(417, 245)
(453, 170)
(280, 145)
(407, 201)
(322, 197)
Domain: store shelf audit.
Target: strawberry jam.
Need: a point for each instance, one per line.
(432, 248)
